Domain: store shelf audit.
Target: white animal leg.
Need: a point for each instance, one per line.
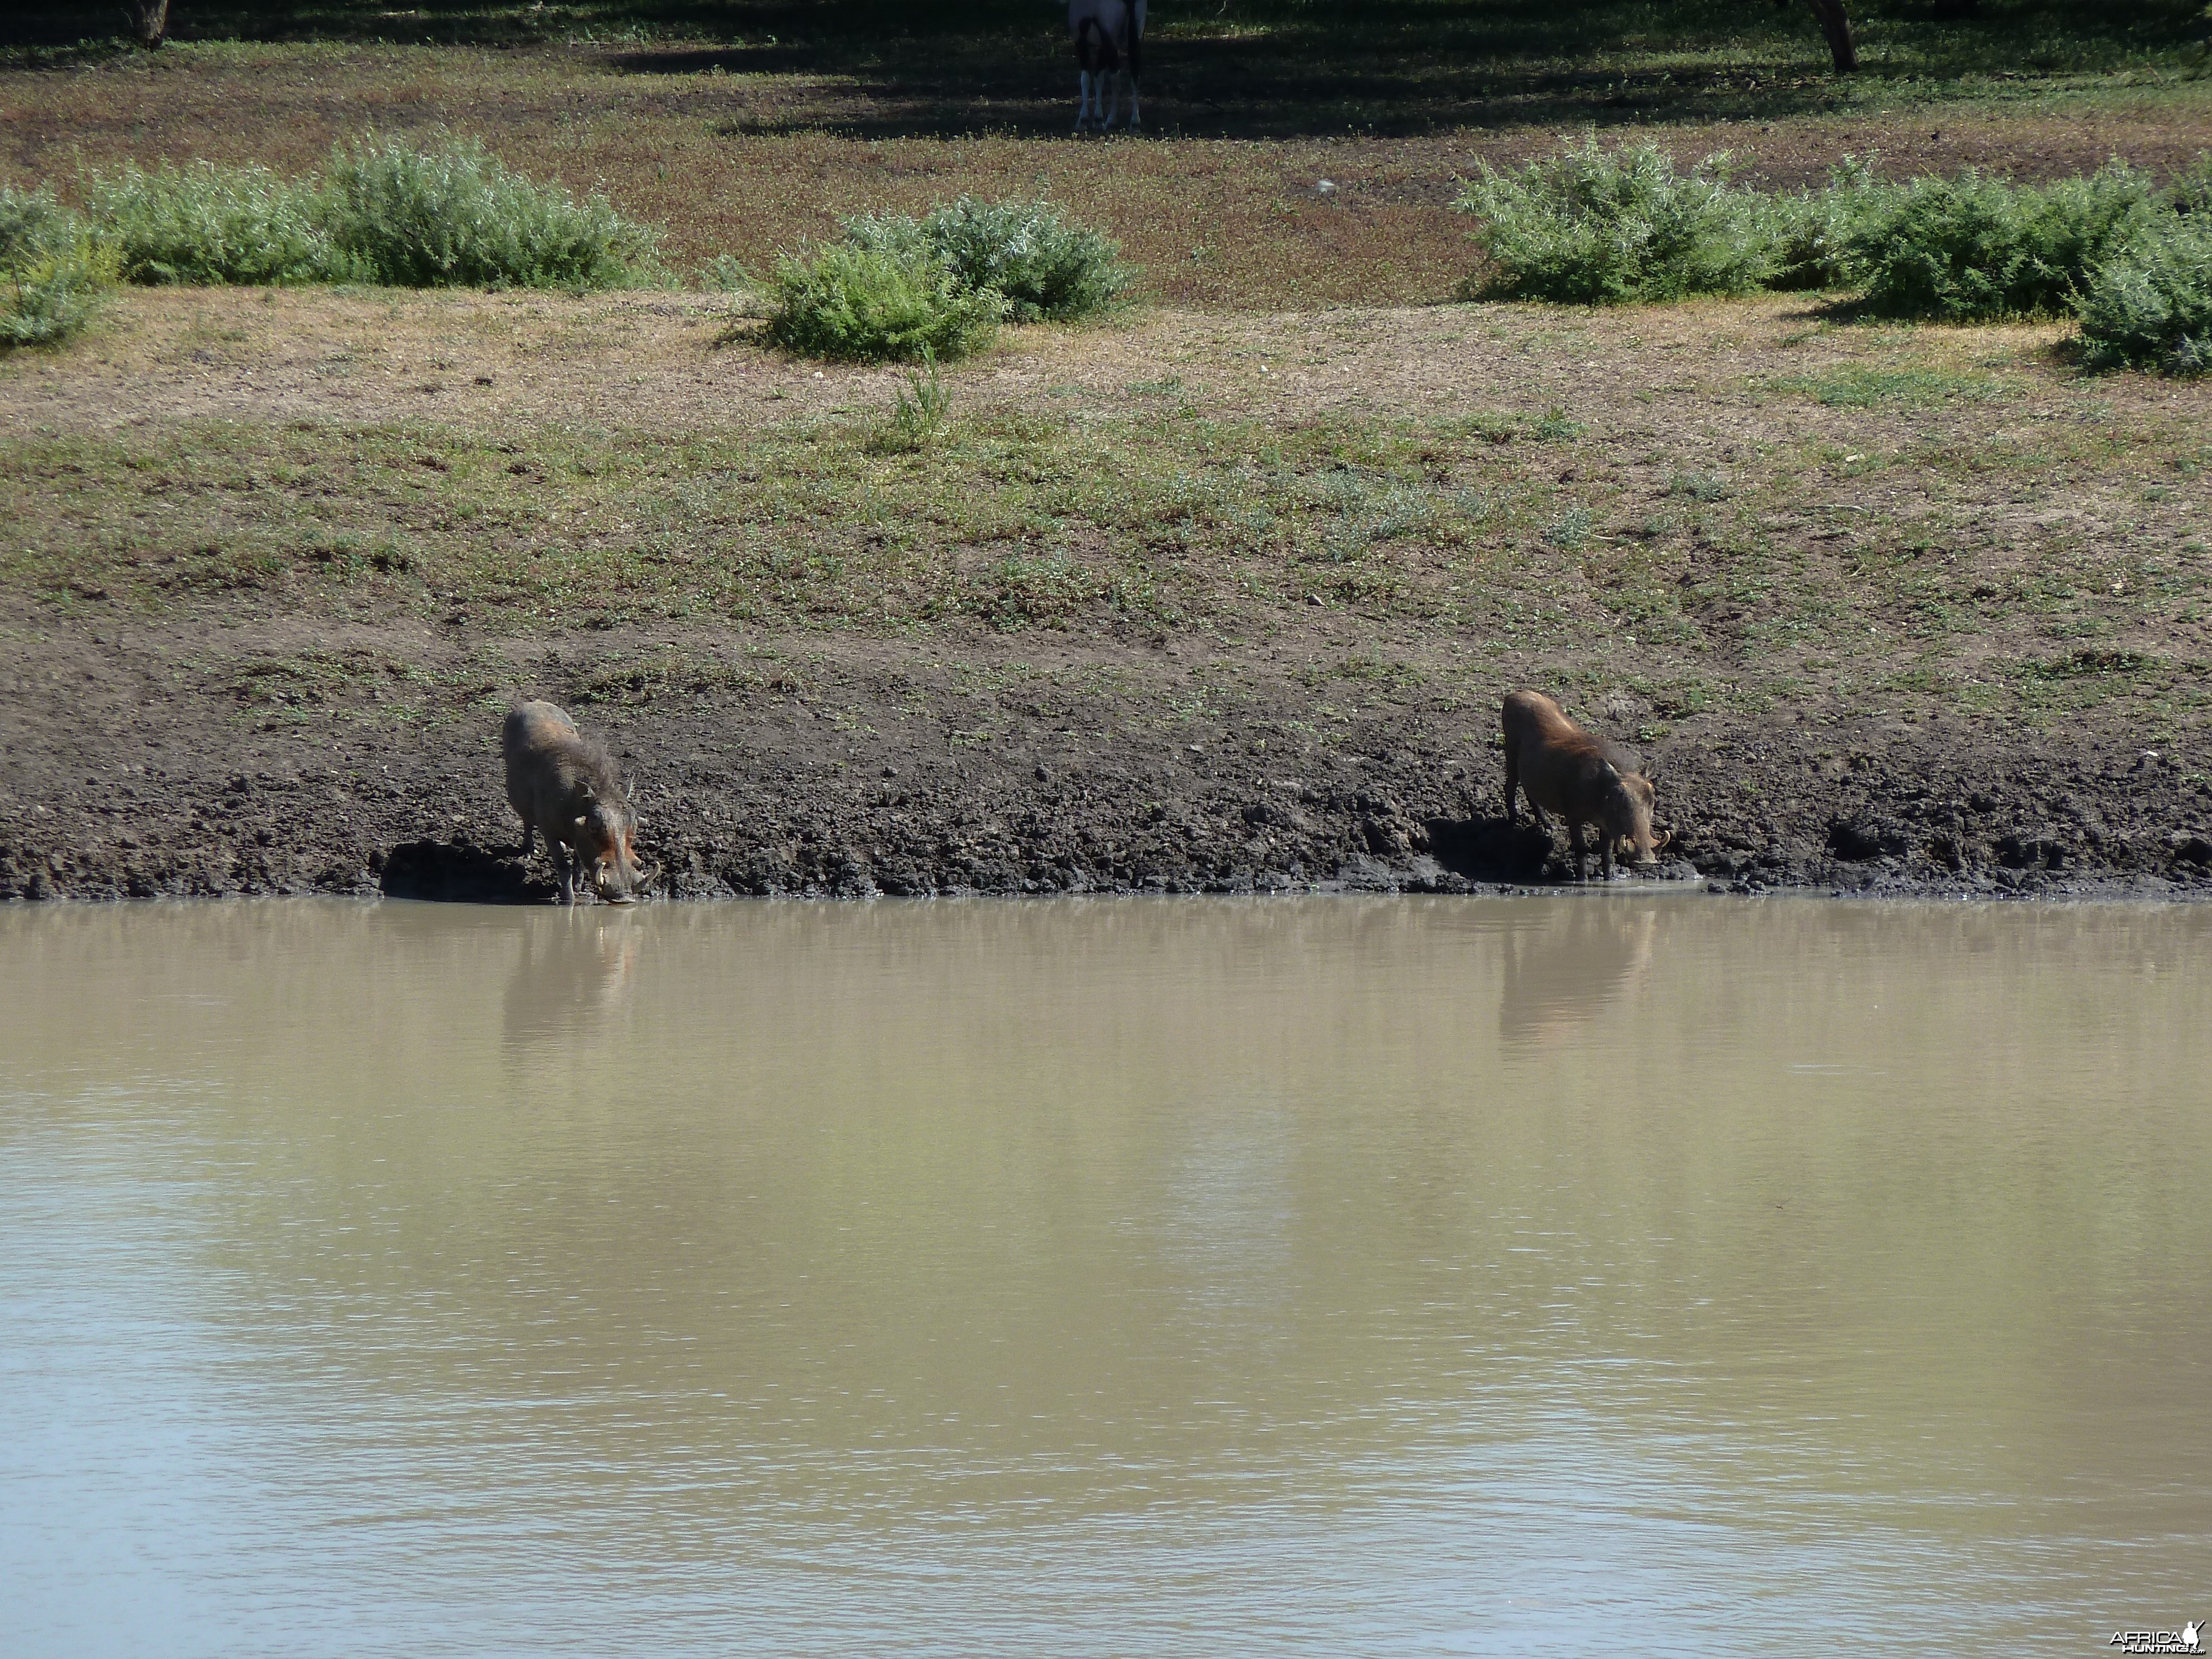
(1135, 119)
(1110, 100)
(1082, 99)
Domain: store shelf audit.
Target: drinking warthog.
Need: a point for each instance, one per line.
(567, 787)
(1582, 777)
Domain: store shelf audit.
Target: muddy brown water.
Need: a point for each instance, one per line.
(1334, 1277)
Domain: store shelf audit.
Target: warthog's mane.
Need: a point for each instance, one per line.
(598, 769)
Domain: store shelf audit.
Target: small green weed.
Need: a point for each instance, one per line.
(920, 413)
(1854, 387)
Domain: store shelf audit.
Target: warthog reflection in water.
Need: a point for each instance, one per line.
(1582, 959)
(567, 787)
(571, 984)
(1581, 777)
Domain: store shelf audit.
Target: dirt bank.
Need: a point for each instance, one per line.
(979, 764)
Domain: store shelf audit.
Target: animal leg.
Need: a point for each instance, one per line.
(564, 866)
(1082, 99)
(1135, 119)
(1512, 787)
(1109, 98)
(1575, 846)
(529, 833)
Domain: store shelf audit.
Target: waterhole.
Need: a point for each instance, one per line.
(1336, 1277)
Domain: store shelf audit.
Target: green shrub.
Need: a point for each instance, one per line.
(451, 216)
(2190, 192)
(1598, 227)
(854, 302)
(1976, 246)
(202, 223)
(1813, 233)
(29, 220)
(2151, 303)
(456, 216)
(54, 271)
(1044, 266)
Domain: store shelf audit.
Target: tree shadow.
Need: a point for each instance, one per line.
(1251, 68)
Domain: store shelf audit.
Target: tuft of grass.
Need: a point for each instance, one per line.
(872, 304)
(54, 271)
(2151, 303)
(921, 411)
(1977, 247)
(1596, 227)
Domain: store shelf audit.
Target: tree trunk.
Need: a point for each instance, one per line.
(150, 20)
(1836, 24)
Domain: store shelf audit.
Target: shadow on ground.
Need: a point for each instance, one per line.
(458, 872)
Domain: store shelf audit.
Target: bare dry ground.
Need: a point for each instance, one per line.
(1187, 599)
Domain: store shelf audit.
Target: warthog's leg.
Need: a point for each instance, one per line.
(529, 831)
(1575, 846)
(1513, 785)
(564, 866)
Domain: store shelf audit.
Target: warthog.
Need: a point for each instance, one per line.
(566, 787)
(1582, 777)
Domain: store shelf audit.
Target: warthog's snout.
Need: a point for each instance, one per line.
(615, 874)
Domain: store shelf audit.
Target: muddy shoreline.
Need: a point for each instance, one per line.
(134, 769)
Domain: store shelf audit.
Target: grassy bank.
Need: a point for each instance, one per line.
(1734, 504)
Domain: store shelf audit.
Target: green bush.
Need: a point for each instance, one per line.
(451, 216)
(202, 223)
(1976, 246)
(29, 219)
(456, 216)
(2190, 192)
(1813, 233)
(869, 302)
(1594, 227)
(2151, 303)
(1045, 267)
(54, 271)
